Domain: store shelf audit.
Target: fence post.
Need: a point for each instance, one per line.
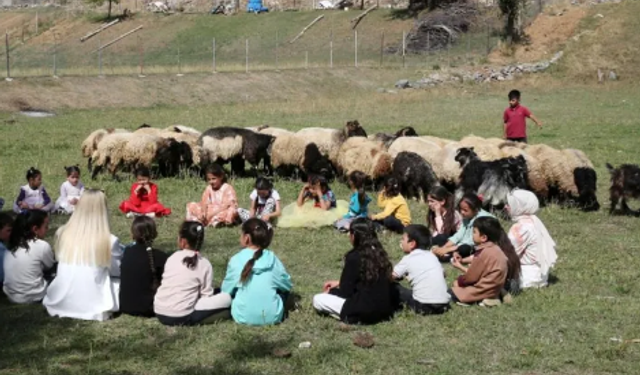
(488, 39)
(404, 49)
(99, 58)
(55, 57)
(449, 49)
(306, 59)
(381, 48)
(179, 65)
(330, 49)
(356, 47)
(213, 47)
(6, 46)
(276, 49)
(37, 23)
(141, 50)
(246, 56)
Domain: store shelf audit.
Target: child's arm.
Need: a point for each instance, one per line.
(302, 197)
(134, 199)
(276, 213)
(535, 119)
(505, 121)
(63, 193)
(400, 270)
(45, 197)
(230, 282)
(19, 203)
(252, 210)
(390, 207)
(152, 197)
(206, 289)
(281, 278)
(325, 204)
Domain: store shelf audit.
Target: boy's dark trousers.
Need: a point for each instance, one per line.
(521, 140)
(406, 297)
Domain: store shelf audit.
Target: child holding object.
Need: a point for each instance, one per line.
(265, 202)
(29, 258)
(219, 204)
(443, 219)
(141, 269)
(358, 203)
(33, 195)
(315, 207)
(256, 279)
(428, 294)
(186, 295)
(144, 197)
(70, 191)
(395, 215)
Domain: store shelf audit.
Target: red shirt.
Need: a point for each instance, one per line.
(515, 118)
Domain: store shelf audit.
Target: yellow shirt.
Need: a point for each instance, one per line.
(396, 206)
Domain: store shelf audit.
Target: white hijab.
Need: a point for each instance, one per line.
(524, 204)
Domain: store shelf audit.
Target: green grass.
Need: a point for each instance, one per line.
(565, 329)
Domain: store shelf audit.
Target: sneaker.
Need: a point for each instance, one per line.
(463, 304)
(130, 214)
(151, 215)
(507, 298)
(490, 302)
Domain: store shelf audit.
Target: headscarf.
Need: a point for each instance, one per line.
(523, 204)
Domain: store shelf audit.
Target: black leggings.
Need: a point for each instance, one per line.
(440, 240)
(391, 223)
(197, 317)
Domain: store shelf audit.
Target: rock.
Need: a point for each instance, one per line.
(381, 90)
(403, 84)
(364, 340)
(304, 345)
(613, 76)
(599, 15)
(500, 78)
(281, 353)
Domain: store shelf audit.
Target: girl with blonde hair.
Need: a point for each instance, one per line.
(86, 285)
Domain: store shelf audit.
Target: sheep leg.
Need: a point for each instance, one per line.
(90, 164)
(237, 165)
(625, 207)
(96, 171)
(614, 197)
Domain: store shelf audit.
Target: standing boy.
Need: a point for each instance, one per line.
(515, 125)
(428, 294)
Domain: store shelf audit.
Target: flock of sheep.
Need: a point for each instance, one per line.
(488, 166)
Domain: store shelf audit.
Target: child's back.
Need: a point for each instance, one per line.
(24, 272)
(257, 301)
(424, 272)
(137, 279)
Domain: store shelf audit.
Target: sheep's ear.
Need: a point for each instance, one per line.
(471, 149)
(610, 168)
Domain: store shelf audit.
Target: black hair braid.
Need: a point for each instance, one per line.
(195, 236)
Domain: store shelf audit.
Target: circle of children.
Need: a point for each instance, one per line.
(91, 276)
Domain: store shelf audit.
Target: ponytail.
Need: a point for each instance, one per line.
(260, 236)
(358, 180)
(155, 284)
(193, 232)
(144, 232)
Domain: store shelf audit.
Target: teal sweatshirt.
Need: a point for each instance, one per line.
(464, 235)
(256, 302)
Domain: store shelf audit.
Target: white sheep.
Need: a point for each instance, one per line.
(361, 154)
(330, 140)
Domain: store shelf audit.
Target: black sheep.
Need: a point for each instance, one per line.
(493, 180)
(414, 174)
(625, 183)
(235, 145)
(388, 139)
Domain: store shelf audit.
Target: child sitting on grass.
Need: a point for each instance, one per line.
(141, 269)
(33, 195)
(144, 197)
(6, 226)
(70, 191)
(494, 263)
(219, 204)
(428, 294)
(358, 203)
(29, 258)
(186, 295)
(256, 279)
(265, 202)
(316, 206)
(395, 215)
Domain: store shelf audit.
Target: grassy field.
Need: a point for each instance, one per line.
(565, 329)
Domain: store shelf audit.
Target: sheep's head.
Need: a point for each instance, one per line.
(145, 125)
(407, 132)
(464, 155)
(353, 129)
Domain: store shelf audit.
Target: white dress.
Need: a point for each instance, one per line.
(67, 193)
(86, 292)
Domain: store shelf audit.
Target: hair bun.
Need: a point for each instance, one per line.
(481, 197)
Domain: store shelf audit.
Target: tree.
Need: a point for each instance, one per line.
(512, 10)
(101, 2)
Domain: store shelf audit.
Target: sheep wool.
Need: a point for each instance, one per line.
(361, 154)
(439, 141)
(447, 165)
(555, 169)
(90, 144)
(276, 132)
(486, 151)
(288, 150)
(110, 151)
(226, 148)
(183, 129)
(428, 150)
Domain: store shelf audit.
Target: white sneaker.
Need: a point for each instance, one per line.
(130, 214)
(151, 215)
(490, 302)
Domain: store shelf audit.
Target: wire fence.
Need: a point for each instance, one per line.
(210, 53)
